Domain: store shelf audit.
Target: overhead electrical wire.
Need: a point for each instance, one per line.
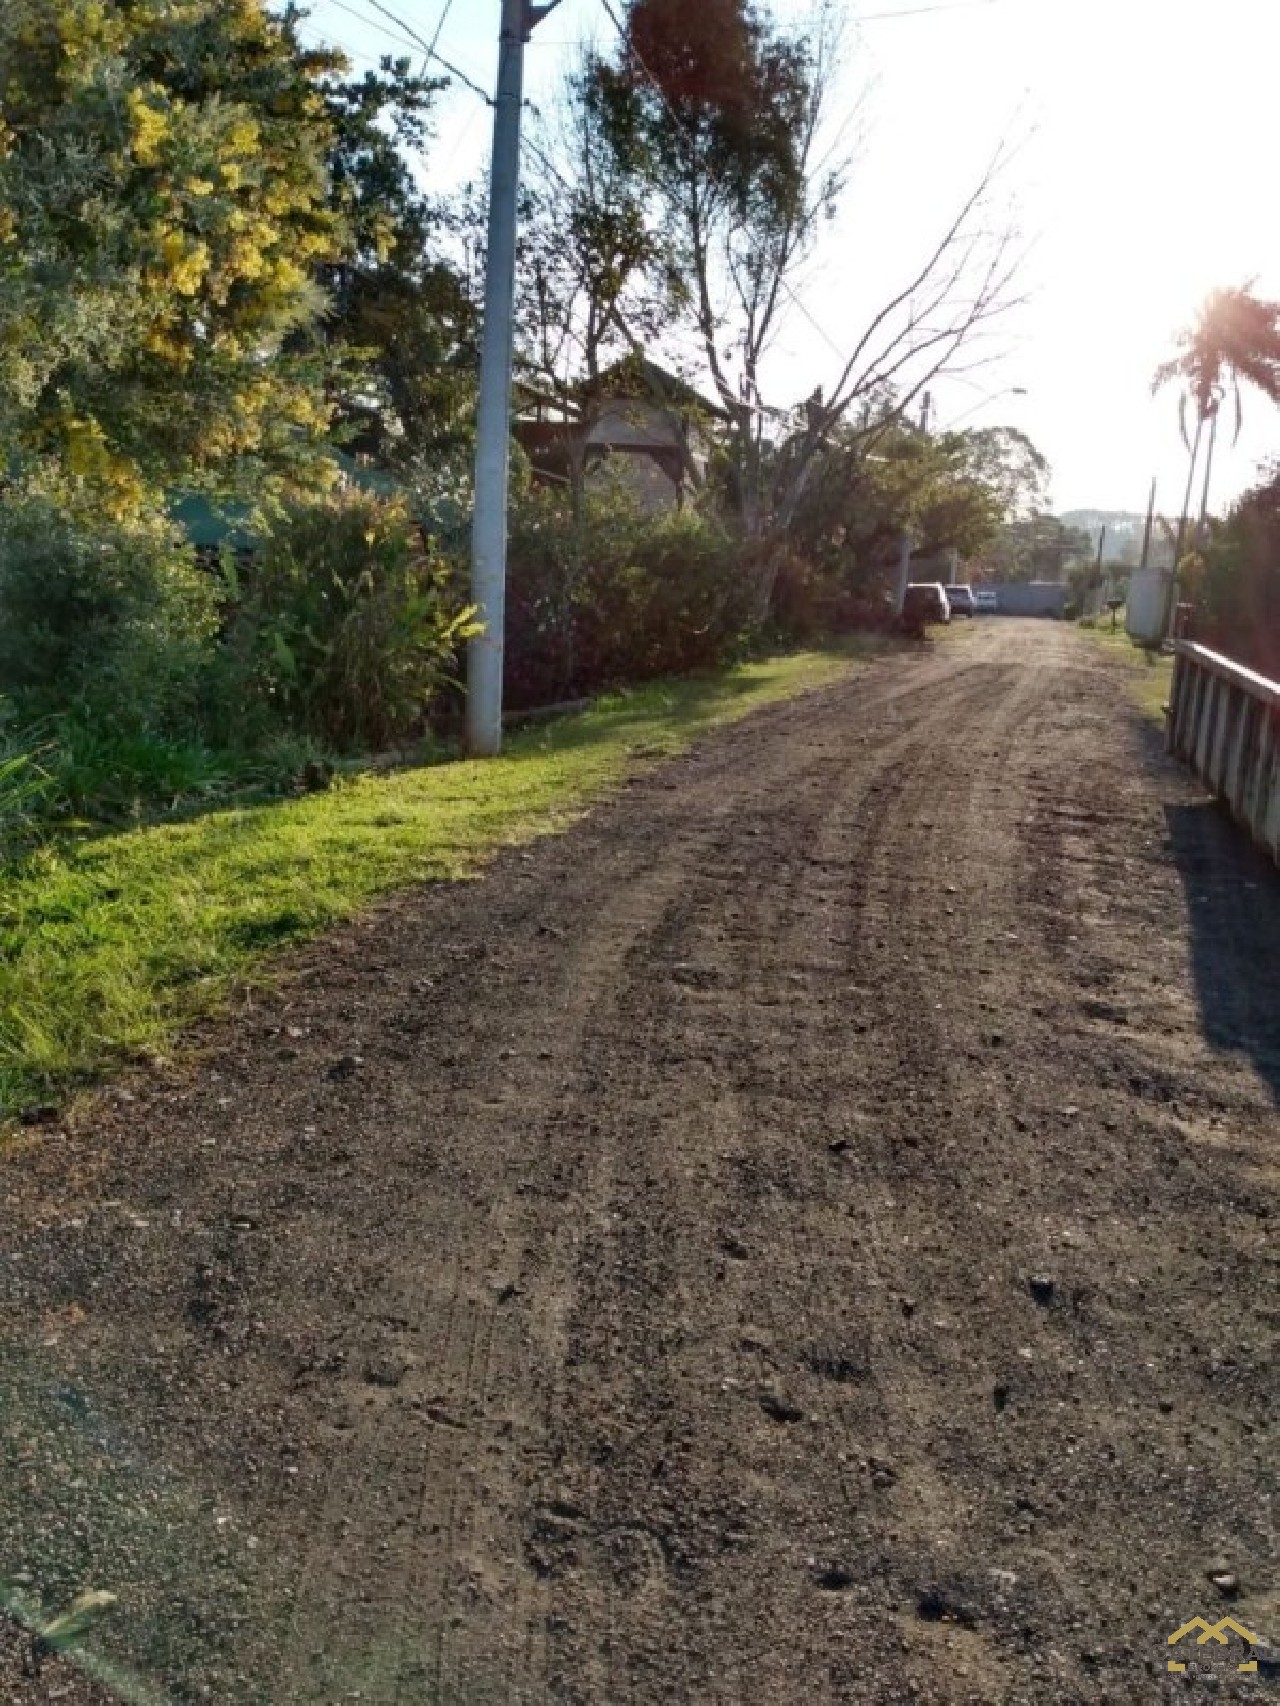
(409, 37)
(371, 23)
(922, 11)
(429, 48)
(444, 19)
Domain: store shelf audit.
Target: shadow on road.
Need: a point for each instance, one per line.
(1233, 902)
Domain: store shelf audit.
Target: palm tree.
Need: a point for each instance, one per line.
(1234, 341)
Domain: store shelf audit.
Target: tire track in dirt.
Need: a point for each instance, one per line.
(847, 1209)
(449, 1585)
(609, 1282)
(462, 1295)
(743, 1002)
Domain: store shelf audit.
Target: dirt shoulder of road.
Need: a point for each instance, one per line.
(804, 1234)
(1150, 672)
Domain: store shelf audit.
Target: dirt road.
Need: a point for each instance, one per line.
(801, 1236)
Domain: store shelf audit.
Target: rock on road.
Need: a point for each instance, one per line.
(799, 1236)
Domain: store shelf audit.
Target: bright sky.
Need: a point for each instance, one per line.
(1146, 178)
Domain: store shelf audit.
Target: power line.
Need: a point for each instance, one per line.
(444, 19)
(922, 11)
(538, 153)
(429, 48)
(411, 38)
(371, 23)
(461, 135)
(617, 21)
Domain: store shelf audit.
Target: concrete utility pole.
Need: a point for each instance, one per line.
(493, 420)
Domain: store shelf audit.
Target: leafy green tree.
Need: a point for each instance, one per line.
(715, 111)
(1007, 463)
(722, 116)
(1239, 591)
(399, 312)
(1037, 547)
(596, 282)
(213, 259)
(946, 492)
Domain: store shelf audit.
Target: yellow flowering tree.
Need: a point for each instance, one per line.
(165, 210)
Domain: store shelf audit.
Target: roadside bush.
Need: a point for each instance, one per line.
(615, 594)
(347, 625)
(811, 600)
(1237, 581)
(108, 629)
(26, 789)
(107, 622)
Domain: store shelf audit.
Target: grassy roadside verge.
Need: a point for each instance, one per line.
(108, 947)
(1152, 673)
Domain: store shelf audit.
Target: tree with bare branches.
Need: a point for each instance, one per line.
(721, 117)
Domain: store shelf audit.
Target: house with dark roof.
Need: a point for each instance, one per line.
(635, 422)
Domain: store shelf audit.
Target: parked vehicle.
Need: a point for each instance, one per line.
(986, 601)
(925, 602)
(960, 598)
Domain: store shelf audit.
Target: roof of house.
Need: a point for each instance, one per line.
(634, 377)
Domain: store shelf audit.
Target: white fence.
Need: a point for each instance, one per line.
(1224, 721)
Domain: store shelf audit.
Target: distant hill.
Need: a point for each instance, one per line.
(1096, 518)
(1124, 534)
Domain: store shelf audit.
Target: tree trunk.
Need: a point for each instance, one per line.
(1208, 475)
(1181, 538)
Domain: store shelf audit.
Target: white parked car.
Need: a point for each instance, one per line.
(925, 602)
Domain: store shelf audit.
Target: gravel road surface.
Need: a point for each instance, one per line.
(806, 1234)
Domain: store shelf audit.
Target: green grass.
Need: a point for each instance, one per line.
(109, 946)
(1152, 672)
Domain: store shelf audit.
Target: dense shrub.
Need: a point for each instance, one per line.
(109, 622)
(615, 594)
(813, 599)
(1236, 583)
(134, 677)
(26, 793)
(347, 624)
